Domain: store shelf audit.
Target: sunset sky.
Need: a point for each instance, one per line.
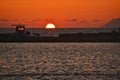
(62, 13)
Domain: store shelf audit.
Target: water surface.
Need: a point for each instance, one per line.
(98, 60)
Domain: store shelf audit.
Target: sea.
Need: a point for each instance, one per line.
(59, 61)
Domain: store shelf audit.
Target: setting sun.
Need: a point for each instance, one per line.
(50, 26)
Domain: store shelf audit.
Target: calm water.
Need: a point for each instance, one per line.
(82, 61)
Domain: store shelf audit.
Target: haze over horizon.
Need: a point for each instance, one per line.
(62, 13)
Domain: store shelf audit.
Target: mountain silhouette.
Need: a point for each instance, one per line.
(114, 23)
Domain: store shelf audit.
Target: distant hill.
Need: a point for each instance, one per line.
(114, 23)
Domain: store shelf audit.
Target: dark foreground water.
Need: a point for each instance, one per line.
(59, 61)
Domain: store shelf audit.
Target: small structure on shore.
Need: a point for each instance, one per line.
(20, 29)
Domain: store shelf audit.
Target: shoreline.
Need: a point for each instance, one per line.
(60, 39)
(79, 37)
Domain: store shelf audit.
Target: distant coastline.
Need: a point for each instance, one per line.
(78, 37)
(22, 35)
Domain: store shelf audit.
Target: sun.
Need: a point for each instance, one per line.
(50, 26)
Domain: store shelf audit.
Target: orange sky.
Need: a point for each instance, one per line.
(63, 13)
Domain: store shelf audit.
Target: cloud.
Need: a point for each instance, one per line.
(34, 20)
(4, 20)
(16, 19)
(49, 20)
(20, 19)
(37, 19)
(96, 20)
(82, 21)
(24, 19)
(73, 20)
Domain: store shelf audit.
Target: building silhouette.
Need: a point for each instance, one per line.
(20, 29)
